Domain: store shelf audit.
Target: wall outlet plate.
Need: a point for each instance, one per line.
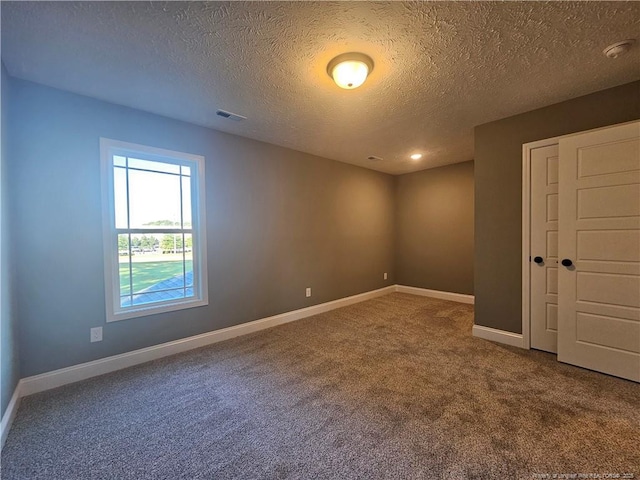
(308, 293)
(385, 275)
(96, 334)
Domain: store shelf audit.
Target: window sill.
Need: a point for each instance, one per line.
(154, 310)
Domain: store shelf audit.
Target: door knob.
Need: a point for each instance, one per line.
(566, 262)
(538, 260)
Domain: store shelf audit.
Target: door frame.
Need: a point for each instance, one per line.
(526, 234)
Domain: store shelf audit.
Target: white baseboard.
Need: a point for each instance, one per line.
(83, 371)
(500, 336)
(75, 373)
(10, 413)
(424, 292)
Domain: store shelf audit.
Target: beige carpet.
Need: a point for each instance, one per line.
(395, 387)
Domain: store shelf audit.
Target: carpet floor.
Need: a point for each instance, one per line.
(395, 387)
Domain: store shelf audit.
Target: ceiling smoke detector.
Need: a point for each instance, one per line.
(619, 48)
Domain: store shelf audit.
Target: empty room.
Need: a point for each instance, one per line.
(320, 240)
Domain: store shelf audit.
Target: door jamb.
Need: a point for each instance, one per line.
(526, 234)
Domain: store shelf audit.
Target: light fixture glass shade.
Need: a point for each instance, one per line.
(350, 70)
(350, 74)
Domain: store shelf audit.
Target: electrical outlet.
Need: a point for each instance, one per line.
(308, 291)
(96, 334)
(385, 275)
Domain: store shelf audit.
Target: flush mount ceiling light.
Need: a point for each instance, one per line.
(619, 48)
(350, 70)
(416, 156)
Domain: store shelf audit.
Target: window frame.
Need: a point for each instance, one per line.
(114, 311)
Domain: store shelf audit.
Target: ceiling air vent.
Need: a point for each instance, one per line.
(230, 115)
(373, 158)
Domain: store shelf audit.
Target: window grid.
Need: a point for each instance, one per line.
(128, 231)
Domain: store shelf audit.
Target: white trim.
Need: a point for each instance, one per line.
(424, 292)
(75, 373)
(10, 413)
(500, 336)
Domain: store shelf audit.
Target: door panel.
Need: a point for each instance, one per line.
(609, 245)
(552, 244)
(552, 206)
(552, 280)
(544, 243)
(603, 159)
(608, 331)
(599, 215)
(552, 167)
(552, 317)
(609, 202)
(611, 289)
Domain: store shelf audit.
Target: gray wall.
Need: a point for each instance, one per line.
(498, 192)
(277, 221)
(9, 365)
(434, 228)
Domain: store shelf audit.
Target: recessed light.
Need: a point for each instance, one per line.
(416, 156)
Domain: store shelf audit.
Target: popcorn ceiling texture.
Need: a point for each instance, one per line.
(440, 67)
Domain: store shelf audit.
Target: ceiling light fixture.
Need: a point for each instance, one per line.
(350, 70)
(416, 156)
(619, 48)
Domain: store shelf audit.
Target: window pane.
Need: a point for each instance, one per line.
(154, 166)
(153, 297)
(120, 196)
(188, 260)
(185, 170)
(158, 266)
(123, 263)
(154, 200)
(171, 244)
(151, 276)
(186, 201)
(119, 161)
(144, 245)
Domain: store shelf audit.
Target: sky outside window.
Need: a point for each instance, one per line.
(153, 196)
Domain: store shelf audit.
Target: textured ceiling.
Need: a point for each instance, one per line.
(440, 67)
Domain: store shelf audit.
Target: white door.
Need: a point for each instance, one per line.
(599, 215)
(544, 248)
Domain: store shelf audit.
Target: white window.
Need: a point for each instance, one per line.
(154, 230)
